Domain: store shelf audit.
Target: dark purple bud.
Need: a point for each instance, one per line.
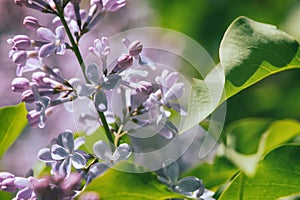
(135, 48)
(28, 97)
(8, 185)
(20, 84)
(124, 61)
(71, 183)
(31, 23)
(19, 57)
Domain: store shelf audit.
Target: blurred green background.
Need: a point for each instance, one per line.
(205, 21)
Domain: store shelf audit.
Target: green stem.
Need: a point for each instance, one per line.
(82, 65)
(107, 130)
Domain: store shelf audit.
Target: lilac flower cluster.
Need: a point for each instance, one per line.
(146, 103)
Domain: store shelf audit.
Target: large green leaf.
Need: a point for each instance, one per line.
(12, 122)
(248, 140)
(278, 175)
(118, 184)
(249, 52)
(214, 174)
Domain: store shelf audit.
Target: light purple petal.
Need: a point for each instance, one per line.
(58, 152)
(92, 73)
(60, 49)
(65, 168)
(100, 101)
(78, 160)
(102, 150)
(171, 170)
(21, 182)
(68, 140)
(45, 155)
(46, 34)
(78, 142)
(85, 90)
(47, 49)
(174, 92)
(122, 152)
(24, 193)
(60, 33)
(112, 81)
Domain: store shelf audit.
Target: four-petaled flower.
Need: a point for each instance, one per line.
(54, 43)
(63, 154)
(109, 158)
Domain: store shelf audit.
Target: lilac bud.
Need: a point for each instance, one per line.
(124, 61)
(19, 57)
(31, 23)
(135, 48)
(21, 42)
(7, 182)
(38, 77)
(27, 96)
(20, 84)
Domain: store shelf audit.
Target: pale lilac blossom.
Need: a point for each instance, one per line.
(54, 42)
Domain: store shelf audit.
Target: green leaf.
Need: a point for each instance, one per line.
(214, 174)
(248, 140)
(12, 122)
(251, 51)
(278, 175)
(5, 195)
(118, 184)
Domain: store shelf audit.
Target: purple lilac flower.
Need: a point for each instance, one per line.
(7, 182)
(101, 49)
(71, 17)
(26, 188)
(189, 186)
(98, 83)
(63, 154)
(109, 158)
(54, 42)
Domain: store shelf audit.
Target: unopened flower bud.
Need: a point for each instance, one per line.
(7, 182)
(21, 42)
(113, 5)
(135, 48)
(19, 57)
(38, 77)
(27, 96)
(31, 23)
(124, 61)
(20, 84)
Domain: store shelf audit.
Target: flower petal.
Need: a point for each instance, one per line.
(60, 33)
(21, 182)
(68, 140)
(174, 92)
(112, 81)
(102, 150)
(171, 170)
(65, 168)
(58, 152)
(46, 34)
(78, 160)
(24, 193)
(100, 101)
(47, 49)
(122, 152)
(189, 184)
(78, 142)
(85, 90)
(45, 155)
(96, 170)
(92, 73)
